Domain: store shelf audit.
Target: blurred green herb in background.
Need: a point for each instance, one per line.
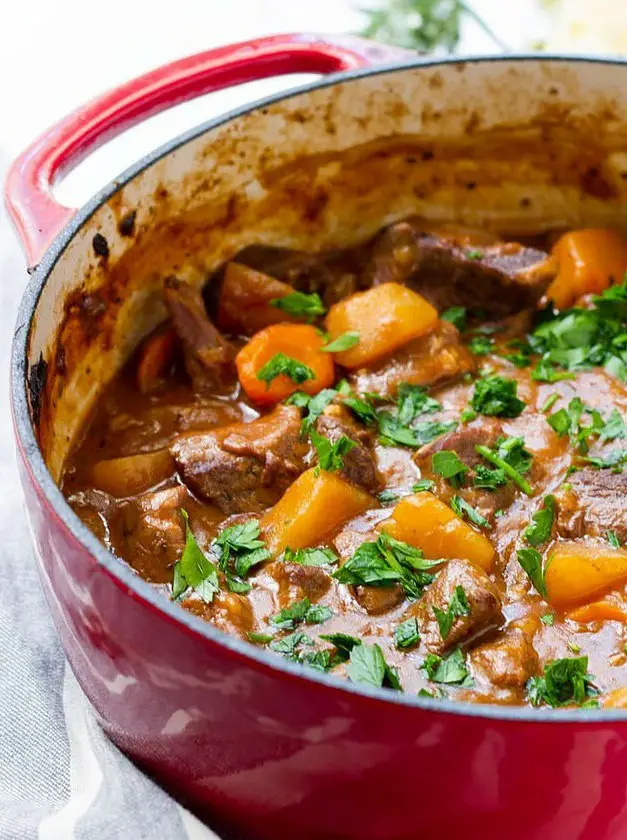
(425, 25)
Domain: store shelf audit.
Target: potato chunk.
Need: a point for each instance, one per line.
(578, 572)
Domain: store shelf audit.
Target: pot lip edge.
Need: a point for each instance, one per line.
(120, 572)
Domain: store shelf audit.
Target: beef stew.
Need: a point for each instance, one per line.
(399, 463)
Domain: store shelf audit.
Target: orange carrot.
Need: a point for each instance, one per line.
(589, 262)
(155, 356)
(281, 359)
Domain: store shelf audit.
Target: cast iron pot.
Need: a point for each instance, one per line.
(514, 144)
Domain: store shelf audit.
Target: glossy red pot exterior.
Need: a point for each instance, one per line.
(261, 745)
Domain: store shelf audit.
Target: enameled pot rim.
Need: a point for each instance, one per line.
(123, 573)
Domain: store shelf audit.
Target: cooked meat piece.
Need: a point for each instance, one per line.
(208, 355)
(333, 275)
(431, 359)
(483, 600)
(297, 581)
(93, 507)
(245, 300)
(155, 358)
(230, 612)
(359, 464)
(153, 532)
(507, 662)
(374, 599)
(594, 505)
(498, 279)
(244, 467)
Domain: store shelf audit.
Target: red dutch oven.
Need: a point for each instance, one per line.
(248, 740)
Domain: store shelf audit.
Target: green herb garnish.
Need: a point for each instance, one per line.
(240, 550)
(510, 456)
(495, 396)
(194, 570)
(456, 315)
(458, 607)
(406, 634)
(488, 479)
(450, 670)
(564, 681)
(481, 345)
(331, 455)
(531, 561)
(299, 612)
(311, 556)
(447, 464)
(282, 365)
(423, 485)
(612, 539)
(464, 510)
(540, 529)
(342, 342)
(367, 665)
(300, 304)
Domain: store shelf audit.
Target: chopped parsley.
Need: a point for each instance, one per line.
(385, 562)
(299, 612)
(474, 254)
(367, 666)
(564, 681)
(331, 455)
(393, 432)
(531, 561)
(240, 550)
(481, 345)
(548, 619)
(423, 485)
(342, 342)
(456, 315)
(260, 638)
(458, 607)
(450, 670)
(614, 460)
(282, 365)
(310, 556)
(489, 479)
(342, 642)
(464, 510)
(615, 427)
(194, 570)
(363, 408)
(447, 464)
(467, 415)
(406, 634)
(539, 531)
(510, 456)
(299, 304)
(549, 403)
(613, 539)
(495, 396)
(387, 497)
(412, 401)
(315, 406)
(568, 421)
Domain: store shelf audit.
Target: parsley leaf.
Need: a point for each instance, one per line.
(463, 509)
(613, 539)
(343, 643)
(298, 612)
(450, 670)
(458, 606)
(310, 556)
(474, 254)
(548, 619)
(564, 681)
(331, 455)
(316, 406)
(540, 530)
(240, 550)
(385, 562)
(531, 561)
(406, 634)
(367, 665)
(423, 485)
(615, 427)
(487, 479)
(447, 464)
(362, 407)
(300, 303)
(481, 345)
(456, 315)
(387, 497)
(510, 456)
(282, 365)
(289, 646)
(412, 401)
(194, 570)
(495, 396)
(342, 342)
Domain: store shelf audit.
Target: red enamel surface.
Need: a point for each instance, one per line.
(281, 757)
(38, 218)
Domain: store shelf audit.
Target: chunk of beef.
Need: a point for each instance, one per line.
(297, 581)
(498, 279)
(359, 464)
(508, 661)
(594, 504)
(208, 355)
(244, 467)
(374, 599)
(333, 275)
(428, 360)
(483, 600)
(153, 534)
(462, 441)
(230, 612)
(245, 304)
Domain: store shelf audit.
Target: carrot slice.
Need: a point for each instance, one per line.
(426, 522)
(155, 356)
(590, 261)
(386, 317)
(302, 345)
(598, 611)
(245, 297)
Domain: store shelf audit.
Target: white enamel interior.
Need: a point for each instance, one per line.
(548, 105)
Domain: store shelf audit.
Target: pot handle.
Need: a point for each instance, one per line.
(38, 218)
